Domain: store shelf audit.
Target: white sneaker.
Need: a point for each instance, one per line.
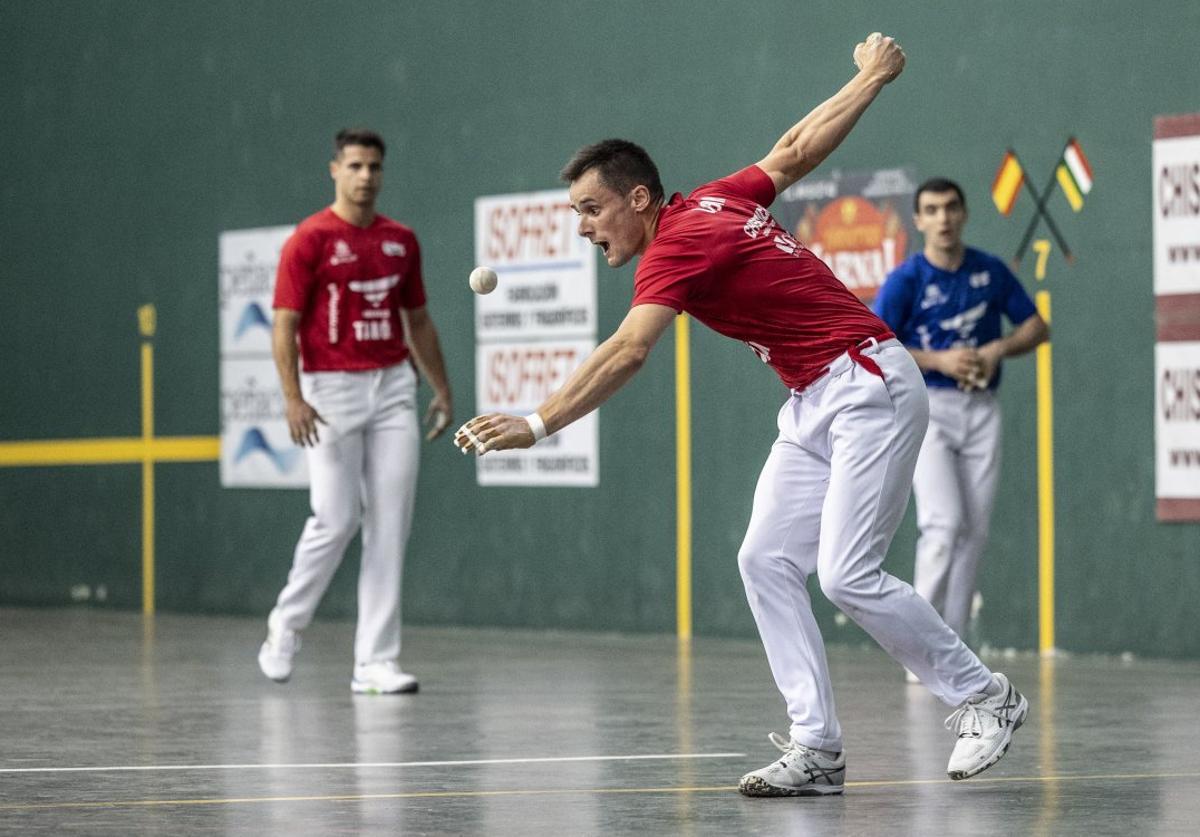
(801, 772)
(275, 656)
(384, 678)
(985, 726)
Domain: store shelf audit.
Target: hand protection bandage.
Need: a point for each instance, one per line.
(472, 438)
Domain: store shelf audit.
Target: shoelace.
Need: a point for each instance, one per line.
(785, 745)
(966, 719)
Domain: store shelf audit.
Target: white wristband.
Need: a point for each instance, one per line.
(536, 426)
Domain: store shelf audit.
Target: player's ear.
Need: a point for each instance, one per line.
(639, 197)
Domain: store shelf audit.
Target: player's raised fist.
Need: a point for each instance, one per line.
(880, 56)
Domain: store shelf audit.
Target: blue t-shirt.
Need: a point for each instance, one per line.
(933, 309)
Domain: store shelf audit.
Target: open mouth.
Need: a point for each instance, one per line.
(603, 245)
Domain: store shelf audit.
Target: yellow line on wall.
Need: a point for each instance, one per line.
(110, 451)
(683, 480)
(1045, 447)
(147, 479)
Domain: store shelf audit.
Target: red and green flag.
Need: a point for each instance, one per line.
(1074, 174)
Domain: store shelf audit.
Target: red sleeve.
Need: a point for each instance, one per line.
(672, 271)
(412, 292)
(751, 183)
(296, 275)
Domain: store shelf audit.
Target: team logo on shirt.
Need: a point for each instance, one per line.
(760, 223)
(393, 248)
(933, 296)
(375, 290)
(710, 205)
(342, 254)
(965, 323)
(980, 279)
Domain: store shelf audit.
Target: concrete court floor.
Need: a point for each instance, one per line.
(110, 725)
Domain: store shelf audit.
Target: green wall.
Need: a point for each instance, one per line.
(134, 133)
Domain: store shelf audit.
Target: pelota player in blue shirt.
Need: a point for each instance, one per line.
(945, 304)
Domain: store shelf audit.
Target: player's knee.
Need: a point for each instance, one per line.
(752, 563)
(845, 590)
(338, 522)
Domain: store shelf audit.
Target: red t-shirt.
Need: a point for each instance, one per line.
(349, 284)
(720, 256)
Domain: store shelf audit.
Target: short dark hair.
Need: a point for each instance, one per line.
(621, 164)
(358, 136)
(938, 184)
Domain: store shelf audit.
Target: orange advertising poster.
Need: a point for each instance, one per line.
(859, 223)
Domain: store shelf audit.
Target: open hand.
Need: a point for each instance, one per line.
(302, 419)
(438, 415)
(494, 431)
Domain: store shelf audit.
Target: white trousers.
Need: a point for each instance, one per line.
(955, 486)
(829, 499)
(363, 472)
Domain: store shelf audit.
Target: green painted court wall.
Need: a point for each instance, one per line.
(134, 133)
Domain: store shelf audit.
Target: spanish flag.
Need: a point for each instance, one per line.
(1007, 184)
(1074, 174)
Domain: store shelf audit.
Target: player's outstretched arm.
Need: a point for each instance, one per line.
(813, 138)
(605, 371)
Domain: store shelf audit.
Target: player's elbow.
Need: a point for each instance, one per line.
(634, 354)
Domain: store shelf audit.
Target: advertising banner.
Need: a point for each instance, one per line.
(515, 378)
(256, 449)
(533, 330)
(857, 222)
(1175, 172)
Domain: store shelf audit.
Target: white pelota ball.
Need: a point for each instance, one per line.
(483, 280)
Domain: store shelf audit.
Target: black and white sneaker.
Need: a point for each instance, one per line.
(985, 726)
(801, 772)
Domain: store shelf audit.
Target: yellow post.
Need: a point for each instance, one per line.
(683, 480)
(1045, 444)
(147, 325)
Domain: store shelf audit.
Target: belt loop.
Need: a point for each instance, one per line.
(856, 354)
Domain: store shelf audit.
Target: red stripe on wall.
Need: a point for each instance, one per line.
(1177, 316)
(1184, 125)
(1178, 510)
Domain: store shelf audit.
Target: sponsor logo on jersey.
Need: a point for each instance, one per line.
(393, 248)
(933, 296)
(980, 279)
(760, 223)
(965, 323)
(710, 205)
(342, 254)
(375, 290)
(334, 296)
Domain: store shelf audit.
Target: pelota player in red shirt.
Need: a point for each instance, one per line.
(350, 287)
(837, 480)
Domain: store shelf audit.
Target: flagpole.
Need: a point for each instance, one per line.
(1040, 212)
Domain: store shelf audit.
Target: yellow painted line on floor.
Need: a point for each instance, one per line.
(110, 451)
(451, 794)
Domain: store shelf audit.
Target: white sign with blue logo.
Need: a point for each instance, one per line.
(256, 450)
